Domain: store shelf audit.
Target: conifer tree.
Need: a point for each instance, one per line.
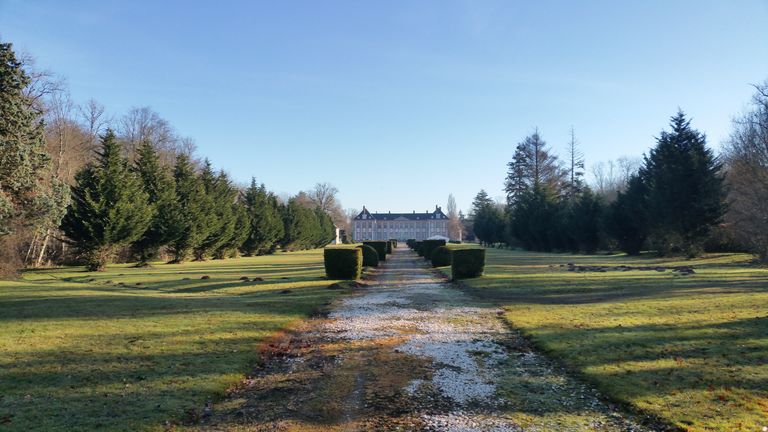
(686, 197)
(627, 219)
(27, 197)
(241, 230)
(161, 191)
(221, 219)
(265, 221)
(109, 207)
(193, 210)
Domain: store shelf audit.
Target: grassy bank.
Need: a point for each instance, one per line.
(129, 349)
(690, 349)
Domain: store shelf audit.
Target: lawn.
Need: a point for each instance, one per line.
(131, 349)
(691, 350)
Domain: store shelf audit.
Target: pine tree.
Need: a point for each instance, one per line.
(241, 230)
(109, 207)
(27, 197)
(584, 223)
(533, 165)
(265, 221)
(686, 197)
(533, 220)
(193, 208)
(160, 188)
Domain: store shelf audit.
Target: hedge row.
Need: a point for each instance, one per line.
(428, 246)
(467, 263)
(370, 256)
(380, 247)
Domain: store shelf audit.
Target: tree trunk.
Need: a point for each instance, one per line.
(42, 248)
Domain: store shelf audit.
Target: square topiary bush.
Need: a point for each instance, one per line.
(468, 263)
(389, 246)
(429, 246)
(343, 262)
(441, 256)
(418, 247)
(380, 246)
(370, 256)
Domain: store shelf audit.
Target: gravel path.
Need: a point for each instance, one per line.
(412, 352)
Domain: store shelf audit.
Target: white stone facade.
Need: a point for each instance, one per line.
(400, 226)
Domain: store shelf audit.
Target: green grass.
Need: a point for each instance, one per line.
(691, 350)
(78, 351)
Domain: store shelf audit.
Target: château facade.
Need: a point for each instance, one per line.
(400, 226)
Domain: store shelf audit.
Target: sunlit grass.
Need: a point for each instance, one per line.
(130, 348)
(691, 350)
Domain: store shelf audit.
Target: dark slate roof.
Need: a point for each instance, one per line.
(437, 214)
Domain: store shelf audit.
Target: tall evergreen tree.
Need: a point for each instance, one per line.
(686, 197)
(533, 165)
(532, 220)
(193, 208)
(584, 221)
(627, 219)
(161, 191)
(575, 169)
(265, 221)
(109, 207)
(241, 230)
(27, 196)
(220, 196)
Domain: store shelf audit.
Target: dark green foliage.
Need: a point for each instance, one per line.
(306, 228)
(627, 220)
(161, 191)
(380, 246)
(488, 219)
(390, 246)
(109, 207)
(195, 222)
(394, 243)
(686, 197)
(584, 222)
(534, 219)
(242, 223)
(468, 263)
(343, 262)
(411, 243)
(28, 194)
(441, 256)
(370, 256)
(218, 209)
(265, 224)
(418, 246)
(429, 245)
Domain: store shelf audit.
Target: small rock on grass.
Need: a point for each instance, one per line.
(205, 277)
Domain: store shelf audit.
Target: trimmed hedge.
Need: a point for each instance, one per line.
(389, 246)
(394, 243)
(343, 262)
(370, 256)
(380, 246)
(429, 246)
(418, 247)
(441, 256)
(468, 263)
(411, 243)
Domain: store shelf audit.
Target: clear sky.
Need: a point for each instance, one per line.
(399, 103)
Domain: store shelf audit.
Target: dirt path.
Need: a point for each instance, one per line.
(410, 352)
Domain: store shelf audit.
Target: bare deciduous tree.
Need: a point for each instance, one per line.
(454, 224)
(746, 156)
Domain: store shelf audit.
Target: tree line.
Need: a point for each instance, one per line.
(129, 189)
(681, 198)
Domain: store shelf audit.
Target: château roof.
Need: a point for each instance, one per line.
(389, 216)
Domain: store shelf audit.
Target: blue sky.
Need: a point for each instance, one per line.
(400, 103)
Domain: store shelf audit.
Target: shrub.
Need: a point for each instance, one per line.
(454, 241)
(394, 243)
(370, 256)
(441, 256)
(343, 262)
(380, 247)
(429, 246)
(411, 243)
(468, 263)
(389, 246)
(418, 247)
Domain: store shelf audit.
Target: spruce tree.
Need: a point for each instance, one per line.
(265, 221)
(161, 190)
(193, 210)
(109, 207)
(26, 196)
(220, 199)
(686, 197)
(241, 230)
(585, 217)
(626, 220)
